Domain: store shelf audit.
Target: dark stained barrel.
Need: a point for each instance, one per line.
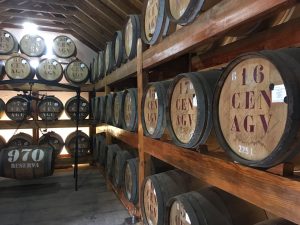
(154, 109)
(83, 144)
(256, 107)
(2, 142)
(19, 68)
(93, 105)
(131, 184)
(52, 140)
(108, 108)
(71, 108)
(102, 108)
(189, 116)
(49, 70)
(50, 108)
(8, 43)
(111, 155)
(77, 72)
(108, 58)
(18, 108)
(129, 110)
(97, 140)
(131, 35)
(119, 167)
(2, 107)
(26, 162)
(103, 152)
(93, 77)
(212, 206)
(33, 45)
(101, 65)
(275, 221)
(64, 47)
(20, 140)
(118, 48)
(2, 70)
(116, 108)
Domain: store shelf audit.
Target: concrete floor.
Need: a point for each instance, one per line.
(53, 201)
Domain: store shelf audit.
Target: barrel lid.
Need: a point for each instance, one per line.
(151, 109)
(150, 202)
(50, 70)
(64, 47)
(7, 42)
(18, 67)
(33, 45)
(77, 72)
(129, 35)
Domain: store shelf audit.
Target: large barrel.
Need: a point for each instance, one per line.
(189, 116)
(64, 47)
(8, 43)
(52, 140)
(108, 58)
(103, 152)
(212, 206)
(77, 72)
(116, 109)
(108, 108)
(20, 140)
(101, 65)
(256, 107)
(275, 221)
(83, 144)
(131, 184)
(97, 141)
(118, 48)
(132, 34)
(154, 109)
(71, 108)
(26, 162)
(111, 155)
(2, 107)
(119, 167)
(18, 67)
(49, 70)
(2, 142)
(18, 108)
(50, 108)
(129, 109)
(33, 45)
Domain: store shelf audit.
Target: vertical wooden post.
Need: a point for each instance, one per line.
(108, 140)
(35, 130)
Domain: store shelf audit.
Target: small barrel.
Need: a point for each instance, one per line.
(33, 45)
(77, 72)
(2, 142)
(108, 108)
(118, 48)
(132, 34)
(111, 155)
(189, 116)
(20, 140)
(275, 221)
(212, 206)
(154, 109)
(26, 162)
(101, 65)
(119, 167)
(50, 108)
(131, 183)
(103, 152)
(19, 68)
(83, 144)
(52, 140)
(71, 108)
(116, 109)
(108, 58)
(8, 43)
(49, 70)
(64, 47)
(97, 140)
(256, 107)
(2, 107)
(18, 108)
(129, 110)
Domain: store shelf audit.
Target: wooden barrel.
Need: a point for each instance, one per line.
(101, 65)
(94, 108)
(108, 108)
(83, 144)
(97, 140)
(103, 152)
(50, 108)
(71, 108)
(118, 48)
(8, 43)
(2, 142)
(53, 141)
(132, 34)
(102, 108)
(33, 45)
(26, 162)
(20, 140)
(131, 183)
(119, 167)
(2, 70)
(64, 47)
(275, 221)
(212, 206)
(49, 70)
(154, 108)
(18, 67)
(111, 155)
(108, 58)
(256, 110)
(18, 108)
(77, 72)
(116, 108)
(189, 116)
(129, 110)
(2, 107)
(93, 69)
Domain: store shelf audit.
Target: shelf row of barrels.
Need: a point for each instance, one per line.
(49, 108)
(172, 197)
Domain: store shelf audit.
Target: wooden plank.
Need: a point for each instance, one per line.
(271, 192)
(33, 16)
(121, 7)
(9, 124)
(210, 25)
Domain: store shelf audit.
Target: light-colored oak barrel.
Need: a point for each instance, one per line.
(83, 144)
(116, 108)
(154, 109)
(120, 166)
(256, 107)
(129, 110)
(108, 108)
(21, 139)
(131, 34)
(97, 140)
(118, 48)
(64, 47)
(2, 142)
(108, 58)
(276, 221)
(50, 108)
(18, 67)
(111, 155)
(53, 141)
(77, 72)
(212, 206)
(71, 108)
(49, 70)
(130, 186)
(2, 107)
(8, 43)
(18, 108)
(189, 116)
(101, 65)
(28, 162)
(103, 152)
(33, 45)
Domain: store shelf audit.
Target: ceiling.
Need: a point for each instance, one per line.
(93, 22)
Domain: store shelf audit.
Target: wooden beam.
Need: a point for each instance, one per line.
(33, 16)
(121, 7)
(9, 124)
(69, 3)
(4, 25)
(137, 3)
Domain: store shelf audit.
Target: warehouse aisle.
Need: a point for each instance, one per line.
(53, 201)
